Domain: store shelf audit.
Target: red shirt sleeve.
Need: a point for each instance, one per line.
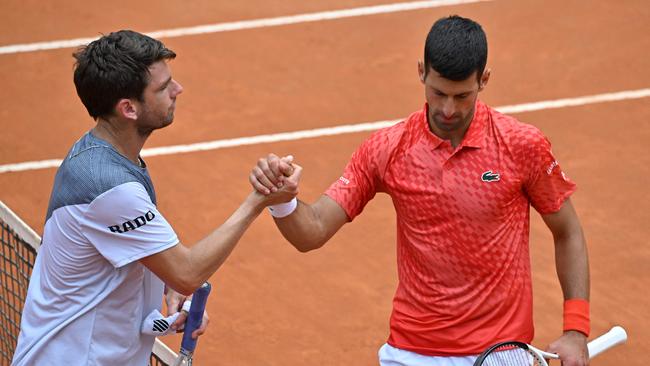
(362, 177)
(546, 184)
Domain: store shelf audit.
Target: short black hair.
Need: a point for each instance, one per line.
(114, 67)
(455, 48)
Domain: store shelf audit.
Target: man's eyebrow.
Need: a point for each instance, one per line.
(443, 93)
(164, 85)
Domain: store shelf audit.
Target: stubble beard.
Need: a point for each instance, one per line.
(147, 127)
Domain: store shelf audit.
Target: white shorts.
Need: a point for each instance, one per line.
(391, 356)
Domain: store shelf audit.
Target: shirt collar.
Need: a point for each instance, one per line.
(434, 140)
(475, 134)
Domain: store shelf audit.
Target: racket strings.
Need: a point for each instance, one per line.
(510, 355)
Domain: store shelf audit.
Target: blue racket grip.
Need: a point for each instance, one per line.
(195, 316)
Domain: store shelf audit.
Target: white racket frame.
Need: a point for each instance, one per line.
(613, 337)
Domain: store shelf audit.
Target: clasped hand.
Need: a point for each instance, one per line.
(276, 178)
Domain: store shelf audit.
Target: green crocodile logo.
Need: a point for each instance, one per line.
(490, 177)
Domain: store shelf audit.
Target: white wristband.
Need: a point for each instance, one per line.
(186, 305)
(283, 209)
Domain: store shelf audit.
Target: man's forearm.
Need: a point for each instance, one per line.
(302, 228)
(208, 255)
(572, 265)
(185, 268)
(311, 226)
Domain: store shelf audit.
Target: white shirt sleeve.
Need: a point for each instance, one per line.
(125, 226)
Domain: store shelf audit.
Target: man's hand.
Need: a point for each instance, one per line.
(276, 179)
(572, 349)
(271, 173)
(175, 302)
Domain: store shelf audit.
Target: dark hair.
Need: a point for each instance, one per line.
(114, 67)
(455, 48)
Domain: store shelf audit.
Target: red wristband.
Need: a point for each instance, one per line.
(576, 315)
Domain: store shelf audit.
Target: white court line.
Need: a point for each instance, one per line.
(249, 24)
(338, 130)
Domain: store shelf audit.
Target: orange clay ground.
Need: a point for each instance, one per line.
(272, 305)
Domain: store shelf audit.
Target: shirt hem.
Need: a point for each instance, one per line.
(429, 352)
(146, 253)
(559, 202)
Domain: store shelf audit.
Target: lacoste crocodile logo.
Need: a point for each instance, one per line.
(490, 177)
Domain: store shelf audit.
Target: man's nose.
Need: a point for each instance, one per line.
(448, 108)
(179, 87)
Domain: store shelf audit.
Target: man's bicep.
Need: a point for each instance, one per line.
(564, 221)
(331, 215)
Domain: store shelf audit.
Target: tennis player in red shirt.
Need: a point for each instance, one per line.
(462, 178)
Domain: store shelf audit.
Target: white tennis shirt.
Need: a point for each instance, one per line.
(88, 294)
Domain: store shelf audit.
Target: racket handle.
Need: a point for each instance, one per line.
(615, 336)
(195, 317)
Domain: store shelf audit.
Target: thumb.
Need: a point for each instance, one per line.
(287, 159)
(552, 348)
(297, 173)
(286, 165)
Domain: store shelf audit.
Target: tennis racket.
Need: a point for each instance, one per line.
(192, 323)
(522, 354)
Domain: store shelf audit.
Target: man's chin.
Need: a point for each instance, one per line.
(168, 121)
(446, 126)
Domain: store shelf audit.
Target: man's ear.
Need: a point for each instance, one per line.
(484, 79)
(127, 108)
(421, 73)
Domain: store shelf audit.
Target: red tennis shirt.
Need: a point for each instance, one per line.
(462, 226)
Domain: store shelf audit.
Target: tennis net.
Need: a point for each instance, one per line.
(19, 248)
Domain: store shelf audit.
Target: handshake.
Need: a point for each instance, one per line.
(275, 180)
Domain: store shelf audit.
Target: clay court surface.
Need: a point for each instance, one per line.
(271, 305)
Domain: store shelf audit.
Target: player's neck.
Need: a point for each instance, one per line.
(123, 137)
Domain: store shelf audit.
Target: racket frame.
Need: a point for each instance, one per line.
(536, 353)
(615, 336)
